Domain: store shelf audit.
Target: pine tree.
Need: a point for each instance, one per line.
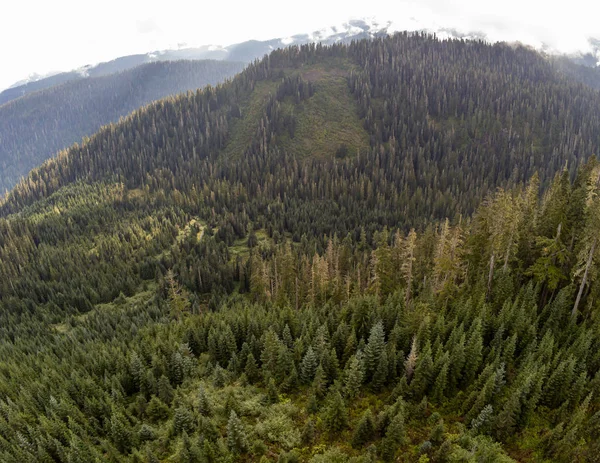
(320, 382)
(335, 414)
(408, 260)
(272, 392)
(165, 390)
(120, 433)
(146, 433)
(395, 437)
(270, 354)
(157, 410)
(411, 360)
(437, 433)
(481, 423)
(353, 375)
(374, 350)
(423, 373)
(183, 420)
(308, 432)
(251, 369)
(236, 434)
(309, 365)
(473, 352)
(381, 373)
(204, 405)
(365, 430)
(441, 382)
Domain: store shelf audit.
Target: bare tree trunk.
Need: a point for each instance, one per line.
(297, 292)
(408, 285)
(584, 280)
(505, 266)
(491, 274)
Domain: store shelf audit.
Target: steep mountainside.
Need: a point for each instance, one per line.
(35, 127)
(428, 126)
(313, 262)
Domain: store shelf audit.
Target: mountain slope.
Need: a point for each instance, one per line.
(35, 127)
(441, 137)
(233, 274)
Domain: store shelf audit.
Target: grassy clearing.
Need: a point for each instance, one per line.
(324, 122)
(139, 299)
(244, 129)
(327, 120)
(240, 246)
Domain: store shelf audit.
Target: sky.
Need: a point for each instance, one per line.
(41, 36)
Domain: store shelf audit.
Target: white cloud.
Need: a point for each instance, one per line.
(40, 36)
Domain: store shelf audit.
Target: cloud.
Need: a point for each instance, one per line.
(148, 26)
(106, 29)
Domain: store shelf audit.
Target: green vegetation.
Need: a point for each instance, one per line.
(35, 127)
(206, 282)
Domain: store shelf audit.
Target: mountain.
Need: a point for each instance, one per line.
(35, 127)
(380, 251)
(244, 52)
(588, 75)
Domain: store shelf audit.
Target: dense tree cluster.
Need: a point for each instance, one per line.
(182, 288)
(35, 127)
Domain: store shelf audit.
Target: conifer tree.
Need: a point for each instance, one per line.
(236, 434)
(423, 373)
(251, 369)
(374, 350)
(183, 420)
(473, 352)
(381, 373)
(120, 433)
(272, 392)
(335, 414)
(319, 383)
(353, 376)
(395, 437)
(365, 430)
(309, 365)
(441, 382)
(408, 259)
(411, 361)
(165, 390)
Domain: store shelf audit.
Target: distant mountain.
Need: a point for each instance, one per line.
(244, 52)
(36, 126)
(577, 70)
(250, 50)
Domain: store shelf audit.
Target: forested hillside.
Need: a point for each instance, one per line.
(385, 251)
(35, 127)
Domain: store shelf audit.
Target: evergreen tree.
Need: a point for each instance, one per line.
(272, 392)
(374, 350)
(236, 434)
(365, 430)
(120, 433)
(353, 375)
(335, 414)
(251, 369)
(395, 436)
(309, 365)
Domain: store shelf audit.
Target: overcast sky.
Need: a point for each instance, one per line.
(40, 36)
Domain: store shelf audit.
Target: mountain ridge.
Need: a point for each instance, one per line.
(36, 126)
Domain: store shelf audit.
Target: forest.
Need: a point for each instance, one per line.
(381, 251)
(34, 127)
